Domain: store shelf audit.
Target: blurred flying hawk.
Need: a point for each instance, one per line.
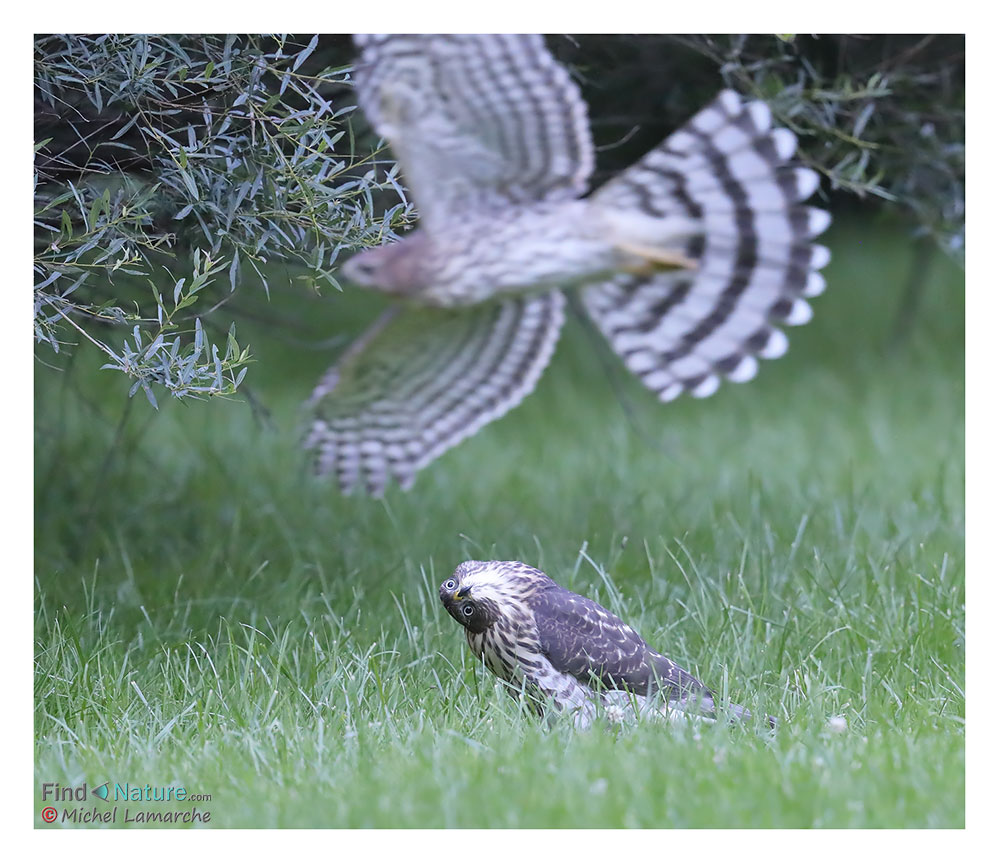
(685, 261)
(564, 649)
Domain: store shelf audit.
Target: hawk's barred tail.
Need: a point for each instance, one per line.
(686, 692)
(730, 178)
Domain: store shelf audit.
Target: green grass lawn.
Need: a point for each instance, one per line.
(209, 616)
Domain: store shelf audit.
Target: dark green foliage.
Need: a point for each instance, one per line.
(203, 157)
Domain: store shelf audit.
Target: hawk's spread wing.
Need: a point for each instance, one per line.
(423, 379)
(730, 172)
(473, 119)
(583, 639)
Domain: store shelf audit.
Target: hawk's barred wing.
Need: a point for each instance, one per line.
(475, 119)
(423, 379)
(583, 639)
(730, 172)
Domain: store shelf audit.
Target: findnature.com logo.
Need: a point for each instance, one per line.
(71, 812)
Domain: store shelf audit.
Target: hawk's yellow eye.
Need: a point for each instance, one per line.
(468, 609)
(450, 584)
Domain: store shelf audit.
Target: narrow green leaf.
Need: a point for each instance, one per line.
(234, 271)
(149, 395)
(94, 214)
(192, 187)
(304, 55)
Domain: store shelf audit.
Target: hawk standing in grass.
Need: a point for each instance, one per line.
(557, 645)
(685, 262)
